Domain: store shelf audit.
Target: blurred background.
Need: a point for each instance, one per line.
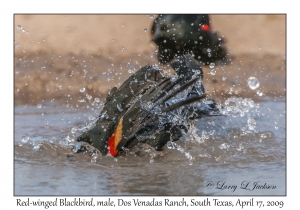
(69, 58)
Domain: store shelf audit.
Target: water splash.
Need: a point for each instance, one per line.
(173, 146)
(238, 105)
(192, 134)
(95, 155)
(76, 147)
(251, 123)
(224, 146)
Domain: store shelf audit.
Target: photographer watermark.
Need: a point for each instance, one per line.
(244, 185)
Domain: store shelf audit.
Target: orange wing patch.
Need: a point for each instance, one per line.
(115, 139)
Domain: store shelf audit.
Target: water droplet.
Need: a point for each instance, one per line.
(91, 118)
(36, 147)
(25, 139)
(145, 29)
(112, 40)
(76, 147)
(70, 138)
(224, 146)
(259, 93)
(19, 27)
(81, 100)
(119, 107)
(251, 123)
(171, 145)
(240, 147)
(192, 24)
(151, 16)
(224, 78)
(211, 65)
(97, 100)
(130, 71)
(94, 159)
(89, 97)
(265, 135)
(39, 106)
(82, 89)
(213, 72)
(253, 83)
(123, 49)
(73, 130)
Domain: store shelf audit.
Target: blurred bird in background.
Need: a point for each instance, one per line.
(179, 34)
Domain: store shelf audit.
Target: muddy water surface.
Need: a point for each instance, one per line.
(220, 156)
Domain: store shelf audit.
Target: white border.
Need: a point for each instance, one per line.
(138, 7)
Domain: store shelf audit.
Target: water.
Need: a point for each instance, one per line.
(253, 83)
(217, 157)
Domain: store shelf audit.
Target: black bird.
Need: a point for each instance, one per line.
(151, 108)
(179, 34)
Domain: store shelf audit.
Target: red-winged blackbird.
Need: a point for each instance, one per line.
(179, 34)
(151, 108)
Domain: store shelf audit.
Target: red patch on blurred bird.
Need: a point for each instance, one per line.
(205, 27)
